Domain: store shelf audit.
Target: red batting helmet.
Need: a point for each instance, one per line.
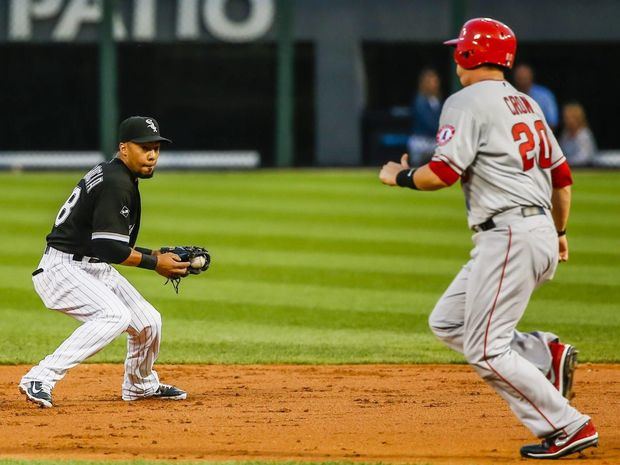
(484, 40)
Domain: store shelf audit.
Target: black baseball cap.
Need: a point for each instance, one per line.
(140, 129)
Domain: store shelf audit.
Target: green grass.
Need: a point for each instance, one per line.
(308, 267)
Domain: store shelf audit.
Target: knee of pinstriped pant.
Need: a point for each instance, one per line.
(155, 322)
(156, 325)
(157, 319)
(150, 329)
(122, 319)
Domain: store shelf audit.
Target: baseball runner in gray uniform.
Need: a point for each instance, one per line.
(517, 188)
(98, 225)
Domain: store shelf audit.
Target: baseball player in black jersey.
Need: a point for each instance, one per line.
(98, 225)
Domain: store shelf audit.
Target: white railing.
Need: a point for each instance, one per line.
(33, 160)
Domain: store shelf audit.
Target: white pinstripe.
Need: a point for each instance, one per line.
(108, 305)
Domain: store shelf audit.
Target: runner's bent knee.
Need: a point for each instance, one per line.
(441, 327)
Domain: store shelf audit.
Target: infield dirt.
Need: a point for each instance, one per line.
(435, 414)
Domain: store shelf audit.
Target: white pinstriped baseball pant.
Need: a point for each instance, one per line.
(108, 305)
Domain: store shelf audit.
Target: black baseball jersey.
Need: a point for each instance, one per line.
(104, 205)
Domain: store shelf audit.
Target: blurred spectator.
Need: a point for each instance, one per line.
(577, 141)
(524, 82)
(426, 108)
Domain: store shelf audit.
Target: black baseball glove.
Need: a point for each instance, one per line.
(198, 257)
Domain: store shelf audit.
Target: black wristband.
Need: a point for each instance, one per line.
(148, 262)
(144, 250)
(405, 179)
(562, 233)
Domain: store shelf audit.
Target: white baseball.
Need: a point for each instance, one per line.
(197, 262)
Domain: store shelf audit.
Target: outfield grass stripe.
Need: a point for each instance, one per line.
(588, 200)
(292, 326)
(269, 293)
(581, 274)
(359, 208)
(323, 229)
(406, 264)
(335, 278)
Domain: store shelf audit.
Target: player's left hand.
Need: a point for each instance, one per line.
(388, 172)
(198, 258)
(563, 248)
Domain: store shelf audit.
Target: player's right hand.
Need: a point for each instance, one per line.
(169, 265)
(388, 172)
(404, 161)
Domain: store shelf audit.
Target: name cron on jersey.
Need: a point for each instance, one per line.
(518, 105)
(93, 177)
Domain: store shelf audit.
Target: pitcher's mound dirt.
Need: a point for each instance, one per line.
(388, 413)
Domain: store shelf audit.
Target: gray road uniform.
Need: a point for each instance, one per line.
(495, 139)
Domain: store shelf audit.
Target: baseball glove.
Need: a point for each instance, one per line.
(198, 257)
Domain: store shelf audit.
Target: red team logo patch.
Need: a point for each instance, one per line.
(444, 134)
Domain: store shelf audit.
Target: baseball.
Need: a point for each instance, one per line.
(197, 262)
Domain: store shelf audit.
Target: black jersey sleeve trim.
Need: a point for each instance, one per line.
(111, 236)
(110, 251)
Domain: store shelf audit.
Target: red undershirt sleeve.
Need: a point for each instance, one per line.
(561, 176)
(444, 172)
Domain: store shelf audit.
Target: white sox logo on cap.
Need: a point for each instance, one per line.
(444, 134)
(151, 124)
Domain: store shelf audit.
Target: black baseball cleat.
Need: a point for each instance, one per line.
(37, 393)
(169, 392)
(560, 445)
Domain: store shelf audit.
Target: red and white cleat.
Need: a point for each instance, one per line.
(563, 364)
(560, 445)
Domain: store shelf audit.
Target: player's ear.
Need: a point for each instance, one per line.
(122, 148)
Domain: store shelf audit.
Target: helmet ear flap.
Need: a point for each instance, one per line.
(463, 57)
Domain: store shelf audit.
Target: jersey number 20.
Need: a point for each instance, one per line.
(521, 132)
(63, 214)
